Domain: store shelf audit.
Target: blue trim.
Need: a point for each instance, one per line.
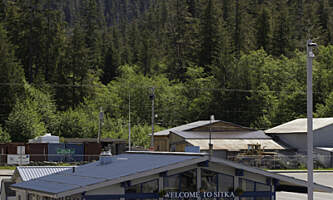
(163, 174)
(276, 182)
(239, 172)
(217, 182)
(255, 189)
(203, 164)
(126, 196)
(126, 184)
(256, 194)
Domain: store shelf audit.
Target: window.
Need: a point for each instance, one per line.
(226, 183)
(185, 181)
(146, 187)
(252, 186)
(208, 180)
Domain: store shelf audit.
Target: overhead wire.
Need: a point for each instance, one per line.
(125, 86)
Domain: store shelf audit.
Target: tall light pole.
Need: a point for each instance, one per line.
(212, 119)
(129, 121)
(310, 56)
(101, 117)
(152, 98)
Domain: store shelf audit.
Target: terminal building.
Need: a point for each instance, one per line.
(228, 139)
(160, 175)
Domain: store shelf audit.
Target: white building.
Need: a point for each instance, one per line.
(294, 133)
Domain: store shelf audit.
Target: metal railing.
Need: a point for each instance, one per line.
(283, 161)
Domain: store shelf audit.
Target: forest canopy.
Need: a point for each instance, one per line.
(242, 61)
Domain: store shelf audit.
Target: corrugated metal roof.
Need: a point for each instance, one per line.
(325, 149)
(185, 127)
(222, 135)
(82, 140)
(300, 125)
(122, 165)
(234, 144)
(32, 172)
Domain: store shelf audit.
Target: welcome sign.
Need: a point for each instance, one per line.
(208, 195)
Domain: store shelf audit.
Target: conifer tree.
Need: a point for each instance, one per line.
(179, 29)
(263, 30)
(281, 42)
(211, 36)
(112, 58)
(11, 76)
(91, 22)
(78, 57)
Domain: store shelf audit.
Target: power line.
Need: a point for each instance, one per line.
(178, 88)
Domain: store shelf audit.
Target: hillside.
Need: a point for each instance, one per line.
(242, 61)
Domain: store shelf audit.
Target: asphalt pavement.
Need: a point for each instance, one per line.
(323, 178)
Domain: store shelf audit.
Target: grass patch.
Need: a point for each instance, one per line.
(8, 167)
(300, 169)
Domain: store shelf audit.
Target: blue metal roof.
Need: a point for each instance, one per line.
(121, 166)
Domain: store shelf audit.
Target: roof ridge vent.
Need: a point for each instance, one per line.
(105, 158)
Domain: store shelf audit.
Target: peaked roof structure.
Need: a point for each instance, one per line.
(129, 166)
(300, 126)
(194, 125)
(122, 167)
(222, 135)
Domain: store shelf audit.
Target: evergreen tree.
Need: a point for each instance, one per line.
(2, 11)
(178, 39)
(211, 36)
(37, 30)
(11, 76)
(263, 30)
(77, 65)
(281, 43)
(111, 60)
(91, 22)
(4, 136)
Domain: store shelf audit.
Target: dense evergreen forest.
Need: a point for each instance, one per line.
(242, 60)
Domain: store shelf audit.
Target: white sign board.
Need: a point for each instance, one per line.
(21, 150)
(14, 159)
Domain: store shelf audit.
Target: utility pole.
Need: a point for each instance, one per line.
(152, 98)
(310, 57)
(212, 118)
(101, 117)
(129, 121)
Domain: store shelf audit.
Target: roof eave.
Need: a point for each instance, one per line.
(131, 177)
(51, 195)
(319, 188)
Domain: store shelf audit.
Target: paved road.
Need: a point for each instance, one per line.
(324, 178)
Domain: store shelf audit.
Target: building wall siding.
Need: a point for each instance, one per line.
(325, 137)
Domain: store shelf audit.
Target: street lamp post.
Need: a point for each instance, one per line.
(101, 117)
(152, 98)
(310, 56)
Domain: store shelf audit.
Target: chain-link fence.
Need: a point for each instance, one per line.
(297, 161)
